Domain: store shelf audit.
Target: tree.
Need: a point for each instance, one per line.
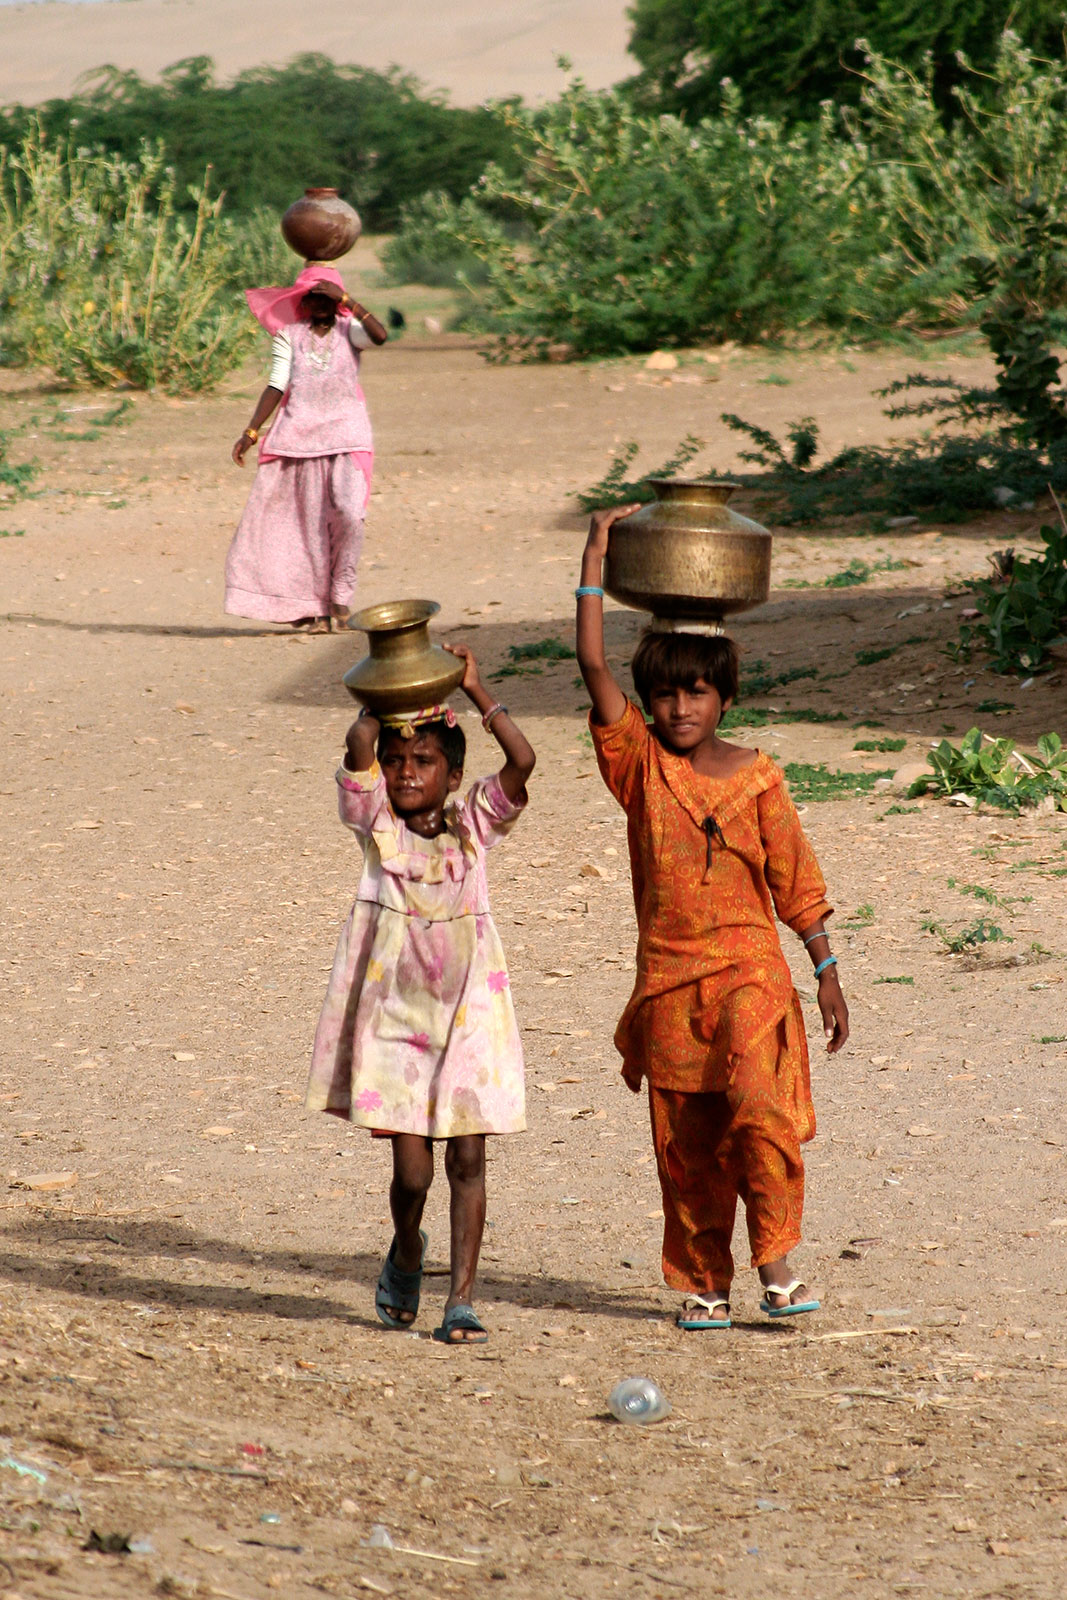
(787, 56)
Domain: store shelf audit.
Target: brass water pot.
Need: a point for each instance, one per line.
(686, 557)
(320, 226)
(404, 671)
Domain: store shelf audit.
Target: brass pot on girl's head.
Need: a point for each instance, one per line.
(404, 670)
(687, 557)
(320, 226)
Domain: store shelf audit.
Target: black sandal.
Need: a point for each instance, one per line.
(398, 1290)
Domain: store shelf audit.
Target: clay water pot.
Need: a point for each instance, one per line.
(320, 226)
(686, 557)
(404, 671)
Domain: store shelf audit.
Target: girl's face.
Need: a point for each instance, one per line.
(686, 718)
(319, 307)
(418, 779)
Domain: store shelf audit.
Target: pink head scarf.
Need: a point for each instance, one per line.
(280, 308)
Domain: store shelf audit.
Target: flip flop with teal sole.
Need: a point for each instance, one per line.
(398, 1289)
(790, 1310)
(698, 1314)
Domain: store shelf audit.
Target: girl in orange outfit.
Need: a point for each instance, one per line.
(714, 1023)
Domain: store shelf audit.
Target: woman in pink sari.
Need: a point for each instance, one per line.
(295, 553)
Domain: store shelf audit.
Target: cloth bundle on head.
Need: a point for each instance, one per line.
(409, 722)
(279, 308)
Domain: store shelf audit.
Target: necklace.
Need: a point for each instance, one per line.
(319, 358)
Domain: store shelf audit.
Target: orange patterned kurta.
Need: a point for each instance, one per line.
(714, 1016)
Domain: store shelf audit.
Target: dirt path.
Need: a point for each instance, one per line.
(187, 1339)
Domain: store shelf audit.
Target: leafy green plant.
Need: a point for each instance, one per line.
(969, 939)
(884, 746)
(993, 771)
(1023, 607)
(616, 489)
(861, 572)
(1053, 1038)
(12, 533)
(862, 917)
(760, 717)
(59, 427)
(895, 980)
(898, 811)
(815, 781)
(15, 475)
(524, 659)
(758, 681)
(977, 890)
(868, 658)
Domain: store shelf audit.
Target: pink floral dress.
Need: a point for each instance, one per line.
(418, 1032)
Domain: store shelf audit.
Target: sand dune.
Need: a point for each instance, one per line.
(471, 49)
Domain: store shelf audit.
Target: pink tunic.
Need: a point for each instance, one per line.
(418, 1033)
(297, 547)
(324, 410)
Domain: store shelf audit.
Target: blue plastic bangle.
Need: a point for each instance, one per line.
(831, 961)
(589, 588)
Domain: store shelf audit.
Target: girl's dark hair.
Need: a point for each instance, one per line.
(452, 740)
(677, 660)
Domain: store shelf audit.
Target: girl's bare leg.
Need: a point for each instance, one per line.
(465, 1169)
(412, 1177)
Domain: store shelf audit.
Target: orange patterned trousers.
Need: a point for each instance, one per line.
(712, 1149)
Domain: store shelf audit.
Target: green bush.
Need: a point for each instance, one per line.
(379, 137)
(1023, 609)
(799, 55)
(615, 229)
(627, 231)
(104, 280)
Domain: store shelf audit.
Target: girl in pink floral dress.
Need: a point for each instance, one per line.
(418, 1039)
(295, 553)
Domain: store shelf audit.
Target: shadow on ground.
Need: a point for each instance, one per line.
(33, 1252)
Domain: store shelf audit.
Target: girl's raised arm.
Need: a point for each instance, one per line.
(609, 702)
(519, 756)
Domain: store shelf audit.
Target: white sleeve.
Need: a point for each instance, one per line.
(281, 362)
(358, 335)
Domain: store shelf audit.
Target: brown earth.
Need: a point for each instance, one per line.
(471, 50)
(175, 877)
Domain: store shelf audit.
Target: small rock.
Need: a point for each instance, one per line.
(46, 1182)
(661, 361)
(431, 324)
(900, 522)
(905, 776)
(1003, 495)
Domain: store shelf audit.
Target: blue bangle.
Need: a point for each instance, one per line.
(589, 588)
(831, 961)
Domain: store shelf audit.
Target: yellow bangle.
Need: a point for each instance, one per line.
(251, 434)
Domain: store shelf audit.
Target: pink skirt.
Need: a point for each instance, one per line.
(297, 547)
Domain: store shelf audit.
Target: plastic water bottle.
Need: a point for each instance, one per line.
(638, 1400)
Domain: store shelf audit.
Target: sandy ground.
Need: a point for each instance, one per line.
(472, 50)
(188, 1350)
